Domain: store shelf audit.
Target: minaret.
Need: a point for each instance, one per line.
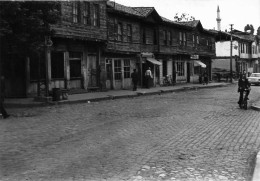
(218, 19)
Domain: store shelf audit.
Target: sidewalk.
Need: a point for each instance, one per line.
(108, 95)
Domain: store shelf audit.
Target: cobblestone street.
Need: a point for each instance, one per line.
(191, 135)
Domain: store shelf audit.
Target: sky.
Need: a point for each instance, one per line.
(236, 12)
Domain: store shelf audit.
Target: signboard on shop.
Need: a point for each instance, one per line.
(195, 57)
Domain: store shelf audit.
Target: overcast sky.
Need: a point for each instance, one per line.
(237, 12)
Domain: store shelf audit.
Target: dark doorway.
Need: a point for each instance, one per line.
(188, 72)
(14, 70)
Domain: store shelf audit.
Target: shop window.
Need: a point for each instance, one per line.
(126, 68)
(180, 68)
(57, 65)
(75, 64)
(197, 70)
(117, 69)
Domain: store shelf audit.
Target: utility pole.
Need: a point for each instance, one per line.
(231, 71)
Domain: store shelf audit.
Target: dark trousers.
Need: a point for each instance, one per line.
(241, 96)
(135, 86)
(147, 81)
(3, 111)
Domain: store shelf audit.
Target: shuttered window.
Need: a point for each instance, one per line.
(96, 16)
(75, 12)
(86, 13)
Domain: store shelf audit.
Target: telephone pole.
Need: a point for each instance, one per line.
(231, 71)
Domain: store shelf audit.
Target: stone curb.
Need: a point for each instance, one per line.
(254, 107)
(256, 175)
(110, 97)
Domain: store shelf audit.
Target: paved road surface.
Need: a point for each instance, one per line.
(194, 135)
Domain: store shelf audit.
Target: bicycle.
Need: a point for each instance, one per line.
(244, 103)
(168, 81)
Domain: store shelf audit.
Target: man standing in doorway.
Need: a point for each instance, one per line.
(134, 77)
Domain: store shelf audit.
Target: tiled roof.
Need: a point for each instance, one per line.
(124, 9)
(191, 23)
(144, 11)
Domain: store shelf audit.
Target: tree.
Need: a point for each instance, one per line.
(249, 28)
(258, 31)
(183, 17)
(24, 24)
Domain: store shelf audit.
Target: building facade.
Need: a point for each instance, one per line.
(97, 44)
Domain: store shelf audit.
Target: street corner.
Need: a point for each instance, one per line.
(256, 175)
(255, 107)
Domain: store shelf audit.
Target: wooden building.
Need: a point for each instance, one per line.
(97, 44)
(145, 39)
(74, 60)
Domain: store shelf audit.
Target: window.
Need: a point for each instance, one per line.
(165, 37)
(193, 41)
(213, 45)
(182, 38)
(170, 37)
(126, 68)
(86, 13)
(96, 15)
(75, 12)
(198, 40)
(154, 37)
(129, 33)
(75, 64)
(120, 32)
(57, 65)
(117, 69)
(144, 36)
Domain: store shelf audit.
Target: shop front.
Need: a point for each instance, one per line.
(148, 61)
(119, 71)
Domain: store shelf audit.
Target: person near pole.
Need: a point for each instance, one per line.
(134, 76)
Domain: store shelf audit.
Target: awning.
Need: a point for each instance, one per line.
(154, 61)
(199, 63)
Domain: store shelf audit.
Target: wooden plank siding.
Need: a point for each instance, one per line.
(148, 44)
(123, 45)
(66, 27)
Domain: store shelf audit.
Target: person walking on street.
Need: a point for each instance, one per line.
(134, 77)
(243, 85)
(148, 77)
(3, 111)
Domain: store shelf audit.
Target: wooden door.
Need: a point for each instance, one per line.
(92, 69)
